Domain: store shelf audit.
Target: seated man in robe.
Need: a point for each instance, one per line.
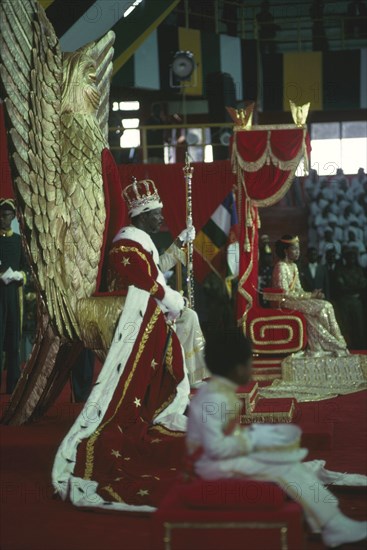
(219, 447)
(134, 260)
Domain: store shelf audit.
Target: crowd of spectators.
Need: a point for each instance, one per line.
(337, 213)
(337, 253)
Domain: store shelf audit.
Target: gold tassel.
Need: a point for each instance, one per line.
(249, 220)
(258, 220)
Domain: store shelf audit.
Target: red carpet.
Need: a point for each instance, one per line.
(32, 520)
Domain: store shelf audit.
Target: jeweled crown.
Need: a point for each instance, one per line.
(141, 196)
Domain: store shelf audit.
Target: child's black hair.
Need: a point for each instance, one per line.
(226, 348)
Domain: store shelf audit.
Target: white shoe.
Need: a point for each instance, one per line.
(340, 530)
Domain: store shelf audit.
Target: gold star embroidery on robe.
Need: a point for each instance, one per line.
(125, 261)
(120, 429)
(143, 492)
(153, 364)
(137, 402)
(157, 440)
(127, 458)
(117, 454)
(118, 478)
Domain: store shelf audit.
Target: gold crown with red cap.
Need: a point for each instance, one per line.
(141, 196)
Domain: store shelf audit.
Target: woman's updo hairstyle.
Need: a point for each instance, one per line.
(284, 242)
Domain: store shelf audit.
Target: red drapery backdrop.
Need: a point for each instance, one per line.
(211, 183)
(265, 160)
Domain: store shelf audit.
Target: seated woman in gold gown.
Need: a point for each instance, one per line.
(322, 328)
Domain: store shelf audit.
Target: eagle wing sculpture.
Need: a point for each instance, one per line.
(57, 113)
(58, 110)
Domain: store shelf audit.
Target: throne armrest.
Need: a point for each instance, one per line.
(275, 296)
(97, 318)
(275, 331)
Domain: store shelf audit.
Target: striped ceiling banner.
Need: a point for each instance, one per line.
(64, 14)
(302, 79)
(363, 83)
(341, 80)
(167, 46)
(312, 76)
(210, 47)
(189, 40)
(131, 33)
(146, 64)
(249, 69)
(78, 22)
(95, 20)
(272, 82)
(144, 51)
(45, 3)
(231, 61)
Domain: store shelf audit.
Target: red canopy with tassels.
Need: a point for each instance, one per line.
(265, 160)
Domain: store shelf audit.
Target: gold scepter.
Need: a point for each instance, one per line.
(188, 171)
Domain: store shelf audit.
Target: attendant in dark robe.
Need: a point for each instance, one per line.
(313, 274)
(351, 283)
(12, 278)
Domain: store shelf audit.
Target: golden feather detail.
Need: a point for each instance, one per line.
(57, 155)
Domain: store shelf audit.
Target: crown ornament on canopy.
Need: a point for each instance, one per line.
(141, 196)
(242, 117)
(299, 113)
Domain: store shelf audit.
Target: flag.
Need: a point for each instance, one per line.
(210, 245)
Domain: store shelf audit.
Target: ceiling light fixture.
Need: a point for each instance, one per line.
(132, 7)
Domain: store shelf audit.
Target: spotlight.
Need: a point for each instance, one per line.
(183, 65)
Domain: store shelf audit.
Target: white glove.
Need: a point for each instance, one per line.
(18, 276)
(9, 276)
(172, 303)
(263, 436)
(188, 234)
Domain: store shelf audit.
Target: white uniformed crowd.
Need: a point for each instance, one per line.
(337, 213)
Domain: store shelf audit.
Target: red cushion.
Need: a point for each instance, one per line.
(231, 493)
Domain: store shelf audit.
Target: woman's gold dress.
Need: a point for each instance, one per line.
(323, 332)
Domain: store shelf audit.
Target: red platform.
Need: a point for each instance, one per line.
(231, 514)
(28, 452)
(266, 369)
(258, 409)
